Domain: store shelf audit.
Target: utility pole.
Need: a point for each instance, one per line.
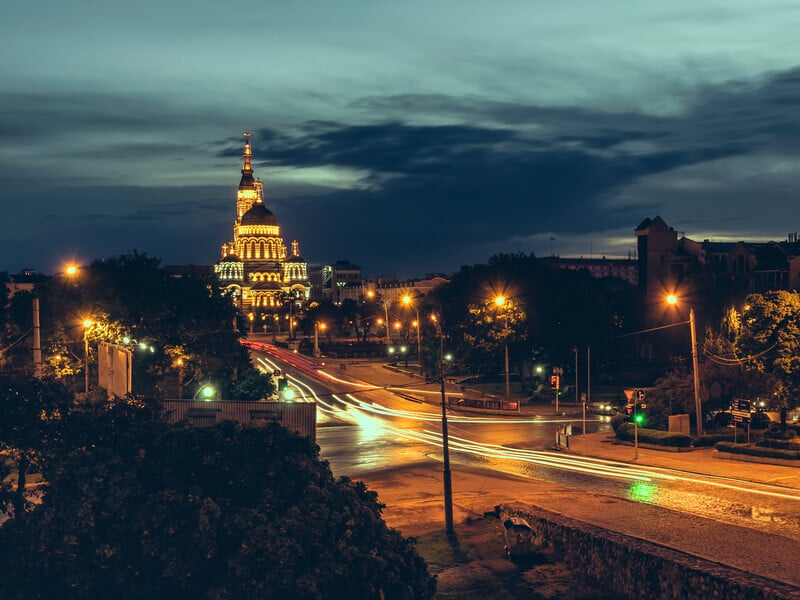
(696, 377)
(448, 486)
(37, 339)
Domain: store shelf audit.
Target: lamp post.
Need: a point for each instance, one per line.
(87, 323)
(448, 485)
(500, 301)
(672, 299)
(407, 302)
(317, 327)
(206, 391)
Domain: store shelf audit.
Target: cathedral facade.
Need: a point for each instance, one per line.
(255, 267)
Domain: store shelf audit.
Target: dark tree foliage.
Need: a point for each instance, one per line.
(252, 385)
(228, 511)
(129, 295)
(30, 416)
(563, 309)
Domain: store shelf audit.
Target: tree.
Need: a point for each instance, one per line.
(130, 296)
(223, 512)
(491, 326)
(30, 410)
(760, 346)
(252, 385)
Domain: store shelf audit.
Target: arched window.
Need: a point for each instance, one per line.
(261, 250)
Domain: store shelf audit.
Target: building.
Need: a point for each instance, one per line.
(255, 267)
(621, 268)
(390, 290)
(667, 258)
(336, 282)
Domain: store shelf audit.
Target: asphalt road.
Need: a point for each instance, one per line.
(375, 430)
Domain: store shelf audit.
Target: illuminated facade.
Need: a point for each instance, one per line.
(255, 267)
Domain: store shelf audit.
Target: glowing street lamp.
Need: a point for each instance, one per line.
(407, 302)
(673, 300)
(317, 326)
(87, 323)
(206, 392)
(500, 302)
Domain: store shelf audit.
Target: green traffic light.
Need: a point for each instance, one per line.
(639, 419)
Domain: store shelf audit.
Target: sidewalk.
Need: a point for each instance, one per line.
(701, 460)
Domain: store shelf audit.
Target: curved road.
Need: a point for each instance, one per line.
(364, 428)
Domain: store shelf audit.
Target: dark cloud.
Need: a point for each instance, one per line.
(429, 195)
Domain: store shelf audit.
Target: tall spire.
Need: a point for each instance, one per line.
(248, 152)
(247, 168)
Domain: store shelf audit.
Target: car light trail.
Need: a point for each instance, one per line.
(576, 463)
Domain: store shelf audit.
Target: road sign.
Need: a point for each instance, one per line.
(741, 410)
(639, 395)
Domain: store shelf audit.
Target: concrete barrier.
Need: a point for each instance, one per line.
(639, 569)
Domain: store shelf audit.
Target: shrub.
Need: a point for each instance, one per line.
(722, 419)
(654, 436)
(617, 420)
(759, 420)
(704, 441)
(753, 450)
(779, 444)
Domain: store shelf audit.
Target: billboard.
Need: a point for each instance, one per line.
(114, 369)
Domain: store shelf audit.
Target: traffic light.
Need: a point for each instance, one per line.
(638, 418)
(554, 381)
(283, 383)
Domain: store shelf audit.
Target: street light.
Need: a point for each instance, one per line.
(673, 300)
(448, 485)
(317, 327)
(87, 323)
(206, 391)
(500, 302)
(407, 302)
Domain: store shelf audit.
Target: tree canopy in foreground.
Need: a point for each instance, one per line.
(228, 511)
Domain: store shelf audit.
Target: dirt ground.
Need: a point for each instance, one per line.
(474, 566)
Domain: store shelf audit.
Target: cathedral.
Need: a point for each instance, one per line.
(255, 268)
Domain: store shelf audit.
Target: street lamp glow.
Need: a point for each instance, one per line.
(698, 406)
(88, 323)
(71, 270)
(500, 300)
(406, 299)
(206, 392)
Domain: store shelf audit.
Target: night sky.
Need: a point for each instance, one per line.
(407, 137)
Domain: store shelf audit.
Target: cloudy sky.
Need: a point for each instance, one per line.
(407, 137)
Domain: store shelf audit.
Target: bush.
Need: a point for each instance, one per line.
(753, 450)
(759, 420)
(705, 441)
(226, 511)
(779, 444)
(617, 420)
(722, 419)
(654, 436)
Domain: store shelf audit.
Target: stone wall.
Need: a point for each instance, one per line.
(640, 569)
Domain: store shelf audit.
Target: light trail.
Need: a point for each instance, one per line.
(576, 463)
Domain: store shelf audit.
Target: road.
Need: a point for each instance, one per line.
(366, 428)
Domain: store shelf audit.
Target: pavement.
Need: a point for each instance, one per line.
(413, 498)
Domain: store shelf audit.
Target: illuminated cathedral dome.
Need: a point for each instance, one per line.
(254, 267)
(258, 215)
